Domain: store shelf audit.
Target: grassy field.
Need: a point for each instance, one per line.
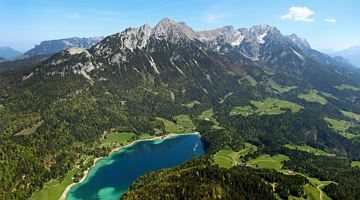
(53, 189)
(278, 88)
(313, 96)
(329, 95)
(191, 104)
(170, 127)
(314, 189)
(355, 164)
(272, 106)
(228, 158)
(181, 124)
(347, 87)
(309, 149)
(145, 136)
(283, 89)
(351, 115)
(269, 106)
(340, 126)
(209, 116)
(251, 80)
(185, 122)
(241, 110)
(122, 138)
(269, 162)
(31, 130)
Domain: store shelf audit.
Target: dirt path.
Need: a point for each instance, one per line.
(321, 192)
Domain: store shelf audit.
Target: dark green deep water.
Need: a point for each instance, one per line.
(111, 176)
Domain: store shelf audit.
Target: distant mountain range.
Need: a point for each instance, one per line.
(53, 46)
(44, 50)
(2, 59)
(351, 54)
(9, 53)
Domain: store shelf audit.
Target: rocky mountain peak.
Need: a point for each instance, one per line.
(225, 31)
(259, 33)
(299, 42)
(133, 38)
(169, 29)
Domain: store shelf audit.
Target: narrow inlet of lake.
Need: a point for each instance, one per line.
(111, 176)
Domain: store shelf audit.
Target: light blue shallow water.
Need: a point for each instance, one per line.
(111, 176)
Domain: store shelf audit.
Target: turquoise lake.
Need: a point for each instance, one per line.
(111, 176)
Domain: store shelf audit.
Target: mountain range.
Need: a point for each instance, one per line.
(44, 50)
(351, 54)
(2, 59)
(53, 46)
(238, 87)
(9, 53)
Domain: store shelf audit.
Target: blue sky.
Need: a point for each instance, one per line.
(324, 23)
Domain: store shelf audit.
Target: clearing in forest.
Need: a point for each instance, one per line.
(227, 158)
(313, 96)
(347, 87)
(340, 127)
(269, 162)
(122, 138)
(181, 124)
(54, 188)
(317, 152)
(269, 106)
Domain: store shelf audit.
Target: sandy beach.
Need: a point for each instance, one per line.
(86, 172)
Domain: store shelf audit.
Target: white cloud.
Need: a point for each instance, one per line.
(330, 20)
(72, 16)
(301, 14)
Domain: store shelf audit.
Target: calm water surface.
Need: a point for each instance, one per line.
(111, 176)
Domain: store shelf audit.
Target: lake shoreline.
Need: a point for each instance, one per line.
(86, 172)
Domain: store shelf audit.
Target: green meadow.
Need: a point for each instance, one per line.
(340, 126)
(241, 110)
(317, 152)
(278, 88)
(227, 158)
(122, 138)
(269, 162)
(351, 115)
(191, 104)
(355, 164)
(181, 124)
(313, 96)
(208, 115)
(54, 188)
(269, 106)
(347, 87)
(29, 131)
(313, 190)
